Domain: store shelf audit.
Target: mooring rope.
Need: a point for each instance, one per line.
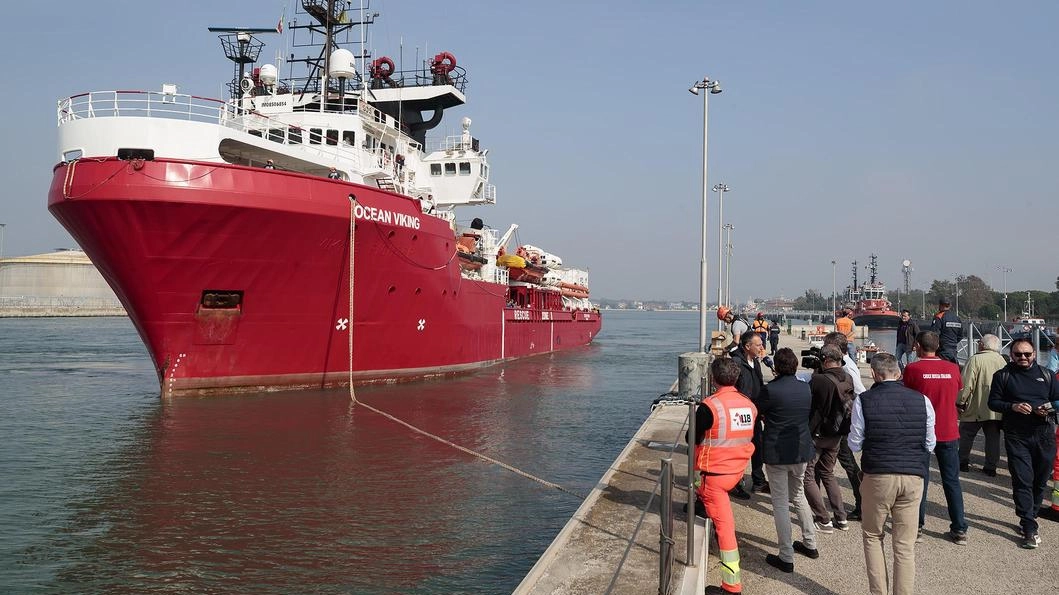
(353, 394)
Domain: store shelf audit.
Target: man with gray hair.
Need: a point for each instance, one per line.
(973, 404)
(894, 427)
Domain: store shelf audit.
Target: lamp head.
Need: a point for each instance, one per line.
(715, 88)
(694, 89)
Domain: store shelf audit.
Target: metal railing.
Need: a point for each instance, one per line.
(1035, 332)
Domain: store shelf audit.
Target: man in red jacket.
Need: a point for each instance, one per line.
(940, 381)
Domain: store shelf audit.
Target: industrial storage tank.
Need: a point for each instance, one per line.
(60, 283)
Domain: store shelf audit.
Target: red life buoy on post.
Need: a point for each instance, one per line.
(381, 68)
(443, 63)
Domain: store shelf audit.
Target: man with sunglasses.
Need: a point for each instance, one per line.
(1027, 395)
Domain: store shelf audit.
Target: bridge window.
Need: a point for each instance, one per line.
(332, 137)
(294, 136)
(465, 168)
(256, 133)
(275, 135)
(316, 136)
(349, 137)
(450, 169)
(435, 169)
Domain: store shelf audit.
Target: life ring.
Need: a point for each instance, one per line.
(443, 63)
(382, 67)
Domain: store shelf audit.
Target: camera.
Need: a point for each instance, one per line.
(812, 358)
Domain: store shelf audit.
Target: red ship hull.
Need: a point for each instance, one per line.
(165, 234)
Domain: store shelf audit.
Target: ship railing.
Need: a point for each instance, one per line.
(152, 104)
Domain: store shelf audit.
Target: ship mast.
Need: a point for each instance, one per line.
(872, 267)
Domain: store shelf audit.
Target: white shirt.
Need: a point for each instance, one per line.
(854, 373)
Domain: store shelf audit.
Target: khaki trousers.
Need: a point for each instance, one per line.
(897, 496)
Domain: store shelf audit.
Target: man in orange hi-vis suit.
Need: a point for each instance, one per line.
(724, 423)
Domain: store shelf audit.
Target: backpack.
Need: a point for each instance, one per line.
(839, 416)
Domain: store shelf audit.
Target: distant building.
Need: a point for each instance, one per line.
(60, 283)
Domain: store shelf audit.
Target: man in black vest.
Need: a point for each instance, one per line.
(1027, 395)
(894, 427)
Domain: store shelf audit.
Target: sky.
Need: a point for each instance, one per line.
(925, 131)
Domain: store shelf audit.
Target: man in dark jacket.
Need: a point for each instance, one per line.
(949, 329)
(831, 387)
(774, 335)
(907, 330)
(1027, 395)
(750, 382)
(787, 446)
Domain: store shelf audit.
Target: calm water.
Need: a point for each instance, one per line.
(106, 488)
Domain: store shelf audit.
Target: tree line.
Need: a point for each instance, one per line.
(977, 300)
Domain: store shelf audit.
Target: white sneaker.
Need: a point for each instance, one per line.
(827, 527)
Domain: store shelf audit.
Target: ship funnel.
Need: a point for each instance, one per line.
(342, 65)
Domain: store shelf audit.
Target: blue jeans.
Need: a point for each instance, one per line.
(905, 355)
(948, 455)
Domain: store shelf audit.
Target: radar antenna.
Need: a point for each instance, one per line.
(241, 47)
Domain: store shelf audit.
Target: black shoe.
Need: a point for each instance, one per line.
(806, 551)
(989, 472)
(965, 467)
(716, 590)
(775, 562)
(761, 487)
(740, 493)
(854, 515)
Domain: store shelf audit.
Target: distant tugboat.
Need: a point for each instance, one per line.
(869, 304)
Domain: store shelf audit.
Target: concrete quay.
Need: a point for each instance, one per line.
(587, 555)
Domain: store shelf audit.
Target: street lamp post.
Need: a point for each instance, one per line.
(2, 226)
(1005, 270)
(728, 227)
(714, 87)
(720, 189)
(956, 279)
(834, 295)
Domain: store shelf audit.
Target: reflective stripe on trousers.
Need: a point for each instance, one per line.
(730, 571)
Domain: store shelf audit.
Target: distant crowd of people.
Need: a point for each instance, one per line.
(795, 429)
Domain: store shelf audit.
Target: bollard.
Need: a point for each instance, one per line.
(691, 367)
(665, 529)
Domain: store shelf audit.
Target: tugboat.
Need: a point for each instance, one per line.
(303, 232)
(871, 308)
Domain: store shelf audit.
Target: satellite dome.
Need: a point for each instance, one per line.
(342, 64)
(268, 74)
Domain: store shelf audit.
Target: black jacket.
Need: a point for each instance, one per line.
(750, 378)
(950, 331)
(1034, 385)
(824, 391)
(785, 405)
(906, 332)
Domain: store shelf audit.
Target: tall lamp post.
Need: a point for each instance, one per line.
(834, 295)
(714, 87)
(1005, 270)
(2, 226)
(728, 227)
(956, 279)
(720, 189)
